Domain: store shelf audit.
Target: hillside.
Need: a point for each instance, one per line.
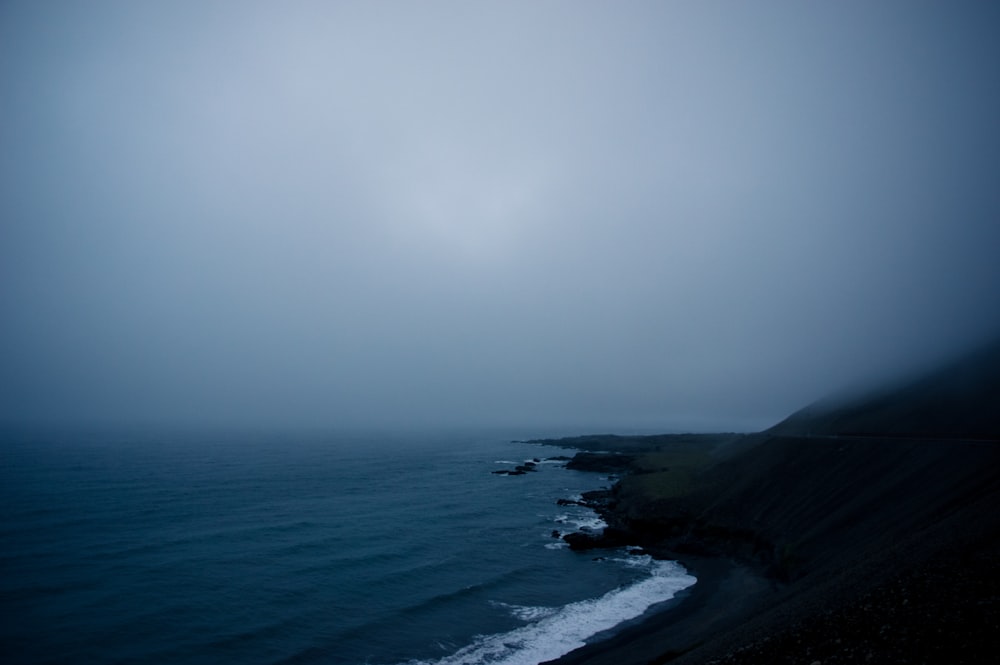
(958, 400)
(830, 511)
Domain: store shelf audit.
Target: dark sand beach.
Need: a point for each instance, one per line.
(725, 592)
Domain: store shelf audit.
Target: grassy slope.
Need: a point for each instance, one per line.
(891, 486)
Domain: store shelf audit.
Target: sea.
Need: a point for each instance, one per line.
(348, 547)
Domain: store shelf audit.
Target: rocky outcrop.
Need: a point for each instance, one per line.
(608, 538)
(520, 469)
(601, 462)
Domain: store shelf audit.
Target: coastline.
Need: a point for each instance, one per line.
(806, 549)
(725, 593)
(727, 590)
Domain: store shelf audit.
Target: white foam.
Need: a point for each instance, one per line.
(593, 523)
(557, 631)
(527, 612)
(588, 522)
(636, 560)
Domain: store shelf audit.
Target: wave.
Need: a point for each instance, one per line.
(496, 582)
(587, 522)
(554, 632)
(528, 612)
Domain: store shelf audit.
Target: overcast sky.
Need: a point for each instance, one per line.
(659, 215)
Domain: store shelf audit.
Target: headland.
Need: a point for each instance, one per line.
(866, 531)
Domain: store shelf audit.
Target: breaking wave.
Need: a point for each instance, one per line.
(553, 632)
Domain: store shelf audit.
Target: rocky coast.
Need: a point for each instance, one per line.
(863, 532)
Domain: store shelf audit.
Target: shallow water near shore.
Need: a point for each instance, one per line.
(155, 547)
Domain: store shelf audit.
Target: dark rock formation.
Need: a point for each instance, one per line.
(600, 462)
(518, 470)
(609, 537)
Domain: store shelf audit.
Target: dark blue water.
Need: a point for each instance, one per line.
(299, 548)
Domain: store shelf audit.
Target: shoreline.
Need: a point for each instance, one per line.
(726, 591)
(862, 530)
(827, 573)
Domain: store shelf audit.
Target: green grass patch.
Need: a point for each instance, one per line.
(666, 474)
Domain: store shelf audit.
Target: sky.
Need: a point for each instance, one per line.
(661, 215)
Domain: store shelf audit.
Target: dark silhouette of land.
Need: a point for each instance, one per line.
(854, 531)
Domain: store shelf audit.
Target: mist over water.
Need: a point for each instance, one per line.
(662, 216)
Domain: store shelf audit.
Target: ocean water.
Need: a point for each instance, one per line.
(354, 548)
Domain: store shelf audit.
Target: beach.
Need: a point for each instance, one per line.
(725, 592)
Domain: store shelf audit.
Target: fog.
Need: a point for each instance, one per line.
(610, 215)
